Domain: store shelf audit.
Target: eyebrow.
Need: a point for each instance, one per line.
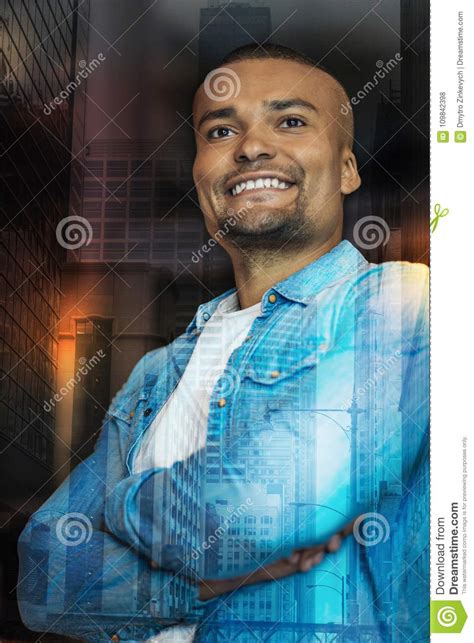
(270, 106)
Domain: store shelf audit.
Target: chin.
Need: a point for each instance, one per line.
(256, 221)
(269, 235)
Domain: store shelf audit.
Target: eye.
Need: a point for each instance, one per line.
(292, 121)
(220, 132)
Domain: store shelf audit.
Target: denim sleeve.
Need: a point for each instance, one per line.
(78, 580)
(137, 513)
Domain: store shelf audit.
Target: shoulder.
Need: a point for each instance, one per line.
(394, 285)
(413, 278)
(392, 297)
(144, 371)
(400, 297)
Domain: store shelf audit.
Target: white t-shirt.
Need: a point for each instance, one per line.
(180, 428)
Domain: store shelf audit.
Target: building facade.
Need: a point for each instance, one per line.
(40, 45)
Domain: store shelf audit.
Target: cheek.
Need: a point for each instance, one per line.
(322, 171)
(207, 169)
(202, 182)
(198, 173)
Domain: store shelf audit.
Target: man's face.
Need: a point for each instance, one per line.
(271, 157)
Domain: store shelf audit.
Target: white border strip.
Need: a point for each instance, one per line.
(452, 352)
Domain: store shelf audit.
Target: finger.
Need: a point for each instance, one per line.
(294, 557)
(311, 561)
(334, 543)
(303, 560)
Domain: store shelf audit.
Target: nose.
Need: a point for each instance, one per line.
(253, 147)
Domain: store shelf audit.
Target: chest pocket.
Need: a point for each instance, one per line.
(284, 366)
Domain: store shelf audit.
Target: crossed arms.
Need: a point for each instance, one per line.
(90, 567)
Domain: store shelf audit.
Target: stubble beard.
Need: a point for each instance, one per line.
(275, 229)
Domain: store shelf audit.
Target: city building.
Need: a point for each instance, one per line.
(225, 26)
(127, 287)
(41, 44)
(248, 535)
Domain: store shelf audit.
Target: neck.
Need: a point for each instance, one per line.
(254, 275)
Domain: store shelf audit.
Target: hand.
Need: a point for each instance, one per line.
(300, 560)
(307, 557)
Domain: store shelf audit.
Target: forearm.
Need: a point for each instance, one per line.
(137, 513)
(213, 588)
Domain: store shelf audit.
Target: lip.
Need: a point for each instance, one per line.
(253, 176)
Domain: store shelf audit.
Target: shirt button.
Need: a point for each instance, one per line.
(147, 412)
(222, 402)
(154, 564)
(272, 298)
(115, 637)
(205, 316)
(131, 414)
(275, 374)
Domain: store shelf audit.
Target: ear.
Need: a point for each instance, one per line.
(350, 179)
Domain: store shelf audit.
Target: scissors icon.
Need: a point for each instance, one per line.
(439, 214)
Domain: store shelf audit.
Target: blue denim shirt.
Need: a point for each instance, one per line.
(320, 416)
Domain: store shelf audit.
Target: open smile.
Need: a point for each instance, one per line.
(261, 183)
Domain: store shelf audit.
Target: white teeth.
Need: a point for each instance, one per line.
(259, 183)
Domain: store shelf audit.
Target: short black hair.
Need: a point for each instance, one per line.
(270, 50)
(273, 50)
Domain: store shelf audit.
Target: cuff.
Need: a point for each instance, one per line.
(131, 519)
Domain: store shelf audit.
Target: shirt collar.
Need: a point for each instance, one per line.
(302, 286)
(204, 311)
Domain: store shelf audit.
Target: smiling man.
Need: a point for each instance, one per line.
(287, 424)
(280, 146)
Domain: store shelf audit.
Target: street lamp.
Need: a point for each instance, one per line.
(317, 504)
(351, 434)
(323, 412)
(341, 591)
